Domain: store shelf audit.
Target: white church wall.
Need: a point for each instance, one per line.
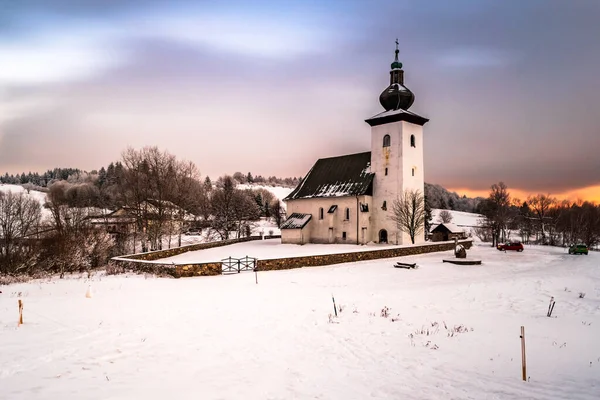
(399, 159)
(331, 228)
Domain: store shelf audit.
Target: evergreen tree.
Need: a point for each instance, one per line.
(101, 177)
(250, 178)
(443, 205)
(451, 203)
(428, 216)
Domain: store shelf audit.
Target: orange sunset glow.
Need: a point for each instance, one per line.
(591, 193)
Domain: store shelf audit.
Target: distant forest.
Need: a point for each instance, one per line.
(437, 196)
(64, 174)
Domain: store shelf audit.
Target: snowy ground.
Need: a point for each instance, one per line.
(266, 249)
(225, 337)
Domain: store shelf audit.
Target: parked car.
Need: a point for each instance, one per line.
(578, 249)
(192, 232)
(516, 246)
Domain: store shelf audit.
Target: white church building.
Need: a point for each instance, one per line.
(348, 199)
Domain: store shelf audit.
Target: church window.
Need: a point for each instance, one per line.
(386, 172)
(347, 214)
(321, 213)
(344, 235)
(412, 141)
(386, 141)
(384, 206)
(413, 171)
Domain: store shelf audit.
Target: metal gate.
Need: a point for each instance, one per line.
(236, 265)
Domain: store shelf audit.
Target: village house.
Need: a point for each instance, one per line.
(447, 231)
(348, 199)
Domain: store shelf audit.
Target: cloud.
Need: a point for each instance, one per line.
(473, 57)
(272, 87)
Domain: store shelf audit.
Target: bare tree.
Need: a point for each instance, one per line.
(233, 210)
(445, 217)
(496, 209)
(19, 216)
(408, 212)
(541, 205)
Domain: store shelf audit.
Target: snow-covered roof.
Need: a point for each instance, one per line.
(451, 228)
(296, 221)
(348, 175)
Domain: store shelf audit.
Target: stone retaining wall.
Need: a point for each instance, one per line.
(175, 271)
(158, 254)
(329, 259)
(137, 263)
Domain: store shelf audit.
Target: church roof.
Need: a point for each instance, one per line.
(348, 175)
(296, 221)
(386, 117)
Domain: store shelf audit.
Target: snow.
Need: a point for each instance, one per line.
(267, 249)
(296, 221)
(278, 191)
(225, 337)
(39, 196)
(459, 218)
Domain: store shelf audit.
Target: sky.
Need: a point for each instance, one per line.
(511, 88)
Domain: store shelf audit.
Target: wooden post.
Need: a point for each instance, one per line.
(334, 307)
(20, 312)
(523, 361)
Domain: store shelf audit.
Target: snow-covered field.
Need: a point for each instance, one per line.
(266, 249)
(452, 333)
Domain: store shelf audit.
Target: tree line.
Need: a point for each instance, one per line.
(161, 195)
(541, 219)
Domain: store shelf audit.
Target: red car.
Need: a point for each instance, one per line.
(517, 246)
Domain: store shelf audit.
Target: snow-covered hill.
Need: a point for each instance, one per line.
(459, 218)
(278, 191)
(37, 195)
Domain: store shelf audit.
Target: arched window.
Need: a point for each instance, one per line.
(386, 141)
(386, 171)
(384, 206)
(321, 213)
(412, 141)
(413, 171)
(347, 213)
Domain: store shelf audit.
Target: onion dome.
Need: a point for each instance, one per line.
(396, 96)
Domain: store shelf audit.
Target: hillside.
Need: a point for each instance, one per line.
(37, 195)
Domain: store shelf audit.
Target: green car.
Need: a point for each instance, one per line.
(578, 249)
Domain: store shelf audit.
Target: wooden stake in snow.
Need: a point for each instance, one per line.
(334, 307)
(523, 361)
(88, 294)
(550, 307)
(256, 276)
(20, 312)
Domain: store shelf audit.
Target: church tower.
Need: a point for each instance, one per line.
(396, 156)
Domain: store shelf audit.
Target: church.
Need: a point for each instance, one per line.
(348, 199)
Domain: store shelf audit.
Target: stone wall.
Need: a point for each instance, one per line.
(175, 271)
(329, 259)
(158, 254)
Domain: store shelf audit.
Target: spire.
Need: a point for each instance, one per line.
(396, 64)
